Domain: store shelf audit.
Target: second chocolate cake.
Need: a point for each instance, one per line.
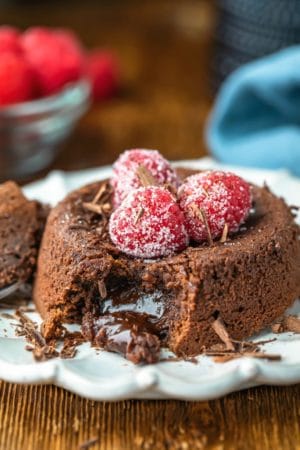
(134, 306)
(21, 225)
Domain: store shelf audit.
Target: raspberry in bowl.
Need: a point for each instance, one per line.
(31, 132)
(43, 93)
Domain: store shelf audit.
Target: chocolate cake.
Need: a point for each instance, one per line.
(132, 305)
(21, 225)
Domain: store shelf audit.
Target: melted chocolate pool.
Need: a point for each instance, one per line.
(129, 323)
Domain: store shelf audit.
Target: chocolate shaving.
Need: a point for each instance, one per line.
(27, 328)
(87, 444)
(203, 214)
(100, 203)
(68, 351)
(79, 227)
(200, 213)
(71, 342)
(265, 341)
(102, 190)
(224, 234)
(7, 316)
(13, 302)
(139, 215)
(145, 176)
(106, 208)
(93, 208)
(27, 309)
(102, 289)
(171, 189)
(260, 355)
(205, 191)
(219, 328)
(191, 359)
(231, 349)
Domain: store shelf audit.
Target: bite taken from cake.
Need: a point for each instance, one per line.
(154, 256)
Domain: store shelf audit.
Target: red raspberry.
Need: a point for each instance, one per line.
(148, 224)
(9, 39)
(125, 178)
(55, 56)
(16, 81)
(103, 71)
(223, 197)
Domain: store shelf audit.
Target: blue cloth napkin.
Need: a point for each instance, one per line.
(256, 118)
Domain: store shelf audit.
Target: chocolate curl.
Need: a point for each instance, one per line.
(145, 176)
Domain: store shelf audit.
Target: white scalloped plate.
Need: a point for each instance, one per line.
(100, 375)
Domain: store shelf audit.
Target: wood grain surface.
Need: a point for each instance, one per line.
(47, 417)
(165, 50)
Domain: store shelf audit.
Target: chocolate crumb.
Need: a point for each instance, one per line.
(285, 324)
(277, 328)
(292, 323)
(29, 348)
(71, 341)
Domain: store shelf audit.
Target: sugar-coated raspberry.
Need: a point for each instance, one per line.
(9, 39)
(16, 81)
(103, 71)
(148, 224)
(55, 55)
(125, 178)
(223, 197)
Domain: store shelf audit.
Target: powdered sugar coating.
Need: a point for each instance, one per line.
(124, 178)
(148, 224)
(224, 198)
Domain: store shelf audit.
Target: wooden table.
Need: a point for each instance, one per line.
(165, 50)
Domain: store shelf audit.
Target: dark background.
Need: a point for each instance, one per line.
(164, 48)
